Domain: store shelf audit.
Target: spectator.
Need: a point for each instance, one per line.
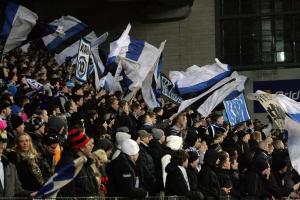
(15, 127)
(124, 177)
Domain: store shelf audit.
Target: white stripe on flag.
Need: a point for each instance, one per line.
(23, 23)
(219, 95)
(185, 104)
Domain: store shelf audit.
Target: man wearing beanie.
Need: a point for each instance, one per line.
(124, 179)
(37, 132)
(5, 110)
(120, 138)
(15, 126)
(243, 149)
(192, 170)
(79, 144)
(145, 163)
(157, 151)
(257, 176)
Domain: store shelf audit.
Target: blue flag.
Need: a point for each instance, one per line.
(236, 110)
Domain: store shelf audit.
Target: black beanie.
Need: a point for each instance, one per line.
(193, 156)
(191, 138)
(14, 121)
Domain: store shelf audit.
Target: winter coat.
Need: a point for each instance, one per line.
(208, 182)
(85, 180)
(256, 186)
(193, 180)
(12, 185)
(277, 185)
(147, 168)
(157, 152)
(224, 180)
(123, 178)
(30, 176)
(175, 182)
(244, 152)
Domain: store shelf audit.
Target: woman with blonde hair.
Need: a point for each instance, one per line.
(26, 159)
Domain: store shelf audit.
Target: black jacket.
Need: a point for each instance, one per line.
(208, 181)
(123, 177)
(244, 152)
(193, 180)
(85, 180)
(175, 182)
(147, 168)
(256, 185)
(224, 180)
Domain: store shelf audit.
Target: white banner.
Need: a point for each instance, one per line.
(83, 60)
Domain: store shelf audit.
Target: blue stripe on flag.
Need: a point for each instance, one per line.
(135, 49)
(295, 117)
(10, 13)
(126, 82)
(68, 34)
(203, 85)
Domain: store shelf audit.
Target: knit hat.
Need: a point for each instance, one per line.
(261, 163)
(77, 139)
(241, 134)
(130, 147)
(193, 155)
(70, 84)
(3, 105)
(121, 137)
(210, 157)
(174, 142)
(104, 144)
(14, 121)
(15, 109)
(143, 134)
(50, 139)
(157, 133)
(191, 138)
(123, 129)
(36, 123)
(55, 123)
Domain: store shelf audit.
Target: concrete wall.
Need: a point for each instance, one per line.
(265, 75)
(189, 41)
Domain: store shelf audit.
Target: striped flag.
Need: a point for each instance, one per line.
(34, 84)
(61, 178)
(18, 23)
(134, 59)
(198, 79)
(73, 29)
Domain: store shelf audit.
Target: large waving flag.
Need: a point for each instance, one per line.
(134, 58)
(152, 85)
(186, 103)
(73, 30)
(61, 178)
(219, 95)
(197, 79)
(236, 110)
(18, 23)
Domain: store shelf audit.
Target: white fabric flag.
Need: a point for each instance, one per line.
(219, 95)
(293, 143)
(22, 25)
(83, 60)
(185, 104)
(196, 79)
(147, 91)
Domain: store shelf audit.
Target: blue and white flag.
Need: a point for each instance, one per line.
(109, 84)
(236, 110)
(18, 23)
(289, 106)
(293, 143)
(61, 178)
(83, 60)
(152, 84)
(73, 30)
(186, 103)
(197, 79)
(34, 84)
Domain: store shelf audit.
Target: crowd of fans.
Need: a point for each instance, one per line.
(131, 151)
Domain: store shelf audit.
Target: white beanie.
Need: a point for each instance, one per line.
(121, 137)
(174, 142)
(130, 147)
